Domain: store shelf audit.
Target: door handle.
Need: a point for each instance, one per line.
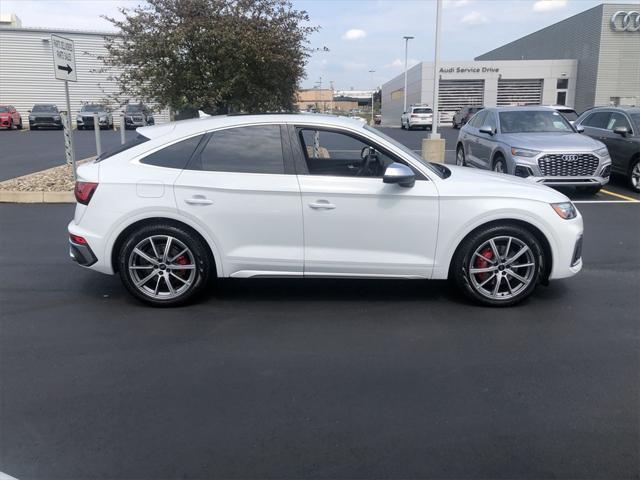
(322, 205)
(198, 200)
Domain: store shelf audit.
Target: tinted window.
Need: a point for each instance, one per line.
(597, 120)
(636, 119)
(174, 156)
(618, 120)
(562, 83)
(93, 108)
(533, 121)
(422, 110)
(243, 149)
(125, 146)
(45, 108)
(134, 108)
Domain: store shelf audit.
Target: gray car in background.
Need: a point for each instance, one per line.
(536, 143)
(619, 129)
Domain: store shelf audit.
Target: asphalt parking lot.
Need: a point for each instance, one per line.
(311, 378)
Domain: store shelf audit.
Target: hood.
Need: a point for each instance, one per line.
(552, 142)
(483, 183)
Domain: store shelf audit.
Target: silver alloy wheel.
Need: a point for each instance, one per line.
(499, 167)
(501, 268)
(635, 176)
(162, 267)
(460, 157)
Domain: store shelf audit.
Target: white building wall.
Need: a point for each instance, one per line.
(27, 78)
(549, 71)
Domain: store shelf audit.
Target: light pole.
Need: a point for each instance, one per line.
(406, 57)
(436, 79)
(372, 94)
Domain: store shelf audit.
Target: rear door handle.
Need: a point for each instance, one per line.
(198, 200)
(322, 205)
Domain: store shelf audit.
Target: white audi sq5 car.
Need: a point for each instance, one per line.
(311, 196)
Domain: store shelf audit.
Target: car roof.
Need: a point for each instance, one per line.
(201, 125)
(524, 108)
(624, 108)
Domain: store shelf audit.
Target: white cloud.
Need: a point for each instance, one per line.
(354, 34)
(456, 3)
(474, 18)
(548, 5)
(398, 63)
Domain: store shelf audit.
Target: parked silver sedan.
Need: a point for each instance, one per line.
(536, 143)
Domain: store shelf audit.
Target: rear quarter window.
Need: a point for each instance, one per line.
(125, 146)
(176, 155)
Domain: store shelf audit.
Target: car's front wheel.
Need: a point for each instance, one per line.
(634, 175)
(460, 159)
(498, 265)
(499, 165)
(164, 265)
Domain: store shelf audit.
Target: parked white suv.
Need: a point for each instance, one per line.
(310, 196)
(418, 116)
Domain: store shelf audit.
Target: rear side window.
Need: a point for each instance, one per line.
(597, 120)
(255, 149)
(125, 146)
(174, 156)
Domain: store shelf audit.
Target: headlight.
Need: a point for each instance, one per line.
(566, 210)
(79, 118)
(603, 152)
(523, 152)
(31, 117)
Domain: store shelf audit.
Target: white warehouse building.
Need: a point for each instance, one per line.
(27, 75)
(489, 83)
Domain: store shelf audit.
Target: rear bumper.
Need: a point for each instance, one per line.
(81, 254)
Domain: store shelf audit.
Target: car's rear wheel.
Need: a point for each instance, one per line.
(498, 265)
(164, 265)
(460, 159)
(634, 175)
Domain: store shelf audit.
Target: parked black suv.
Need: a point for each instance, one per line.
(44, 115)
(137, 115)
(619, 129)
(463, 115)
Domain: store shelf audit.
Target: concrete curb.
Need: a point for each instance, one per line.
(13, 196)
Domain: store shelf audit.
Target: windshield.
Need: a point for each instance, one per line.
(533, 121)
(93, 108)
(4, 109)
(134, 108)
(570, 115)
(407, 150)
(45, 108)
(422, 110)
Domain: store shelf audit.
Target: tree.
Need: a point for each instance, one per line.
(214, 55)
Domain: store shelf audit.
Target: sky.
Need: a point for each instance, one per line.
(360, 35)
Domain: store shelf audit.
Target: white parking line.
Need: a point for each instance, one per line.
(4, 476)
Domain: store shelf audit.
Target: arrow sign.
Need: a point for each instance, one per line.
(67, 68)
(64, 58)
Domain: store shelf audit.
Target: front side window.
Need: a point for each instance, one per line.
(341, 155)
(175, 155)
(533, 121)
(597, 120)
(255, 149)
(491, 121)
(618, 120)
(478, 118)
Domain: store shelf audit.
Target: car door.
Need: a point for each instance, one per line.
(620, 147)
(471, 139)
(354, 224)
(485, 142)
(242, 187)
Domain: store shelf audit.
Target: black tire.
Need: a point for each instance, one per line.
(634, 180)
(80, 127)
(499, 165)
(203, 271)
(589, 190)
(460, 154)
(33, 128)
(455, 125)
(460, 274)
(20, 125)
(401, 125)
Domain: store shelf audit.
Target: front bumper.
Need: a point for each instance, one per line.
(52, 123)
(529, 169)
(5, 122)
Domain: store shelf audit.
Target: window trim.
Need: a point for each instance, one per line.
(303, 169)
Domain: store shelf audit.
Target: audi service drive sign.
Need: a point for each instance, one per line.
(64, 58)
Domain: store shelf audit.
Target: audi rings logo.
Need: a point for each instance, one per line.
(570, 158)
(625, 21)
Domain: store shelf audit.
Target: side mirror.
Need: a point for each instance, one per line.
(579, 128)
(400, 174)
(623, 131)
(486, 129)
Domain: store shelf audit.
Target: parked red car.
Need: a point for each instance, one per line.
(9, 117)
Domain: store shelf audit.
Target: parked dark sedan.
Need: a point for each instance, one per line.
(44, 115)
(463, 115)
(619, 129)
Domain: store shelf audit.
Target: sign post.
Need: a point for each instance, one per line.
(64, 68)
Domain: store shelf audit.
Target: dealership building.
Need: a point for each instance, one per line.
(589, 59)
(27, 75)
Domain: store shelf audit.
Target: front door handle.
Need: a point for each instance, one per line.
(198, 200)
(322, 205)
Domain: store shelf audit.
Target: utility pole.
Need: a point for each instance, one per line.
(406, 66)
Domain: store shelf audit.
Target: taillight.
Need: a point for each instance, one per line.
(84, 191)
(414, 116)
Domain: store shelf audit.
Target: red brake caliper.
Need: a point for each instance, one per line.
(182, 260)
(480, 262)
